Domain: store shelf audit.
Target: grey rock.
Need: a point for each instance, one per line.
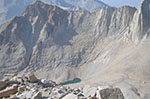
(9, 91)
(37, 95)
(8, 77)
(46, 83)
(89, 91)
(21, 89)
(70, 96)
(59, 92)
(140, 25)
(12, 82)
(26, 94)
(3, 84)
(31, 78)
(113, 93)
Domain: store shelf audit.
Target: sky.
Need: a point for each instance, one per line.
(118, 3)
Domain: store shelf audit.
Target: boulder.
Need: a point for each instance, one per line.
(48, 83)
(70, 96)
(9, 91)
(98, 94)
(18, 79)
(38, 95)
(31, 78)
(76, 91)
(13, 97)
(81, 96)
(25, 95)
(3, 84)
(59, 93)
(12, 82)
(103, 87)
(21, 89)
(111, 93)
(89, 91)
(30, 95)
(8, 77)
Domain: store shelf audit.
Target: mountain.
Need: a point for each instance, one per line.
(89, 5)
(105, 47)
(11, 8)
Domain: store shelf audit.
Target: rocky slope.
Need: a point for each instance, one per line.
(28, 86)
(105, 47)
(11, 8)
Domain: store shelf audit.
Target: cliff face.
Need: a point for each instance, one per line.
(140, 25)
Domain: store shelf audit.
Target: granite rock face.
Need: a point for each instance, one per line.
(140, 23)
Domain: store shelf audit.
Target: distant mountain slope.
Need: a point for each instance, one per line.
(10, 8)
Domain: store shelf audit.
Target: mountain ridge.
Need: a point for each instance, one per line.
(11, 8)
(100, 47)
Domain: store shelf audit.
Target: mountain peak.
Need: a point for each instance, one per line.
(145, 4)
(11, 8)
(38, 8)
(141, 23)
(89, 5)
(146, 1)
(39, 3)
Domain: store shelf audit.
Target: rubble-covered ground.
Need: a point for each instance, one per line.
(30, 87)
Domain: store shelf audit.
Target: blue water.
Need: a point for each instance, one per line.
(76, 80)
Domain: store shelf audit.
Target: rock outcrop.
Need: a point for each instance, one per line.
(9, 91)
(31, 78)
(141, 25)
(70, 96)
(38, 90)
(38, 95)
(111, 93)
(2, 85)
